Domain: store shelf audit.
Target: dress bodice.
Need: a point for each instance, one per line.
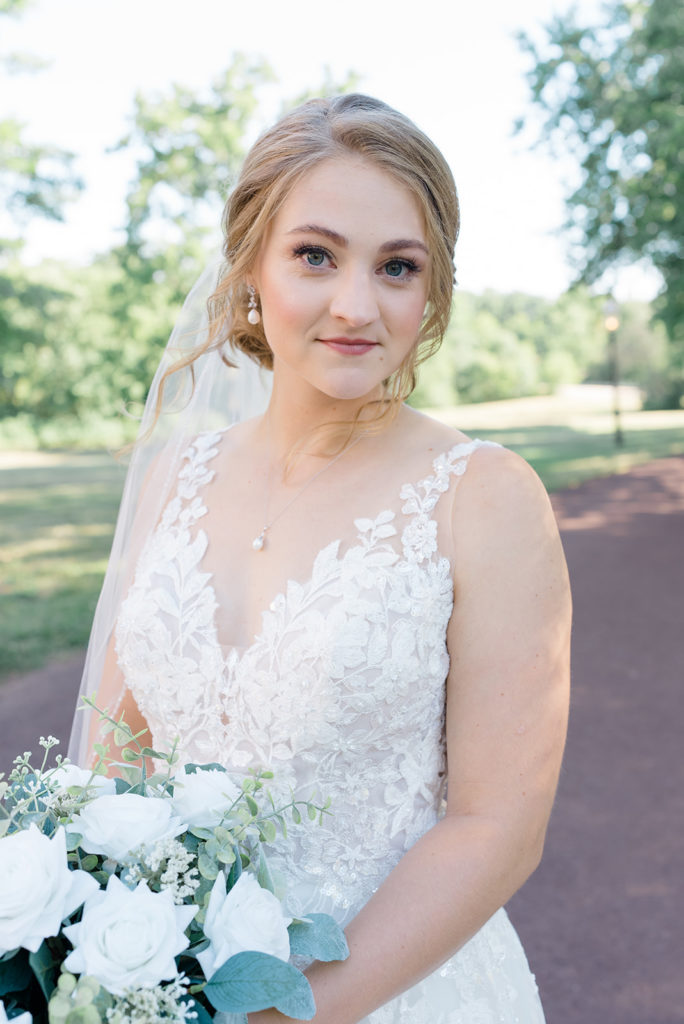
(341, 693)
(342, 690)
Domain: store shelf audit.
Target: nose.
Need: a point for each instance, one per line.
(354, 299)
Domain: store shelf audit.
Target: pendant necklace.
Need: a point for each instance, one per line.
(260, 540)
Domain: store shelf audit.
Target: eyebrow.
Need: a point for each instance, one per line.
(334, 236)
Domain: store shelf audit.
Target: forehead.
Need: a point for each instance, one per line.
(352, 196)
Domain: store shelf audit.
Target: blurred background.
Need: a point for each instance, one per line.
(122, 126)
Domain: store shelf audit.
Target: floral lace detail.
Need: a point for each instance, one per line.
(341, 692)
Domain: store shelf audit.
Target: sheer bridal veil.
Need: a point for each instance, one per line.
(220, 395)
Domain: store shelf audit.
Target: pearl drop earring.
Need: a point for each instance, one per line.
(253, 314)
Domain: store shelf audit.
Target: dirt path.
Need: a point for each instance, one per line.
(602, 917)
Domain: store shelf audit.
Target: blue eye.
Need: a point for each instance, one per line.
(313, 256)
(395, 268)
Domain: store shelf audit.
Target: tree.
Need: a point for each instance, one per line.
(612, 95)
(34, 179)
(190, 146)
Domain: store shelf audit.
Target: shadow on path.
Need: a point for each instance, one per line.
(602, 918)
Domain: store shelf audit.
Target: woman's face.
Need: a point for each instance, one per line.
(342, 279)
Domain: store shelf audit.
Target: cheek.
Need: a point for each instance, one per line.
(412, 313)
(284, 304)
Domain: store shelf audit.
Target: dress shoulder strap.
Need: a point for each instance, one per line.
(419, 537)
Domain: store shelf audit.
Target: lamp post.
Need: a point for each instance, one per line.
(611, 322)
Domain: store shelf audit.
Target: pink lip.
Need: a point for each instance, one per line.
(349, 346)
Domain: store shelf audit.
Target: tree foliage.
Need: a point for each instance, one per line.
(613, 96)
(34, 178)
(12, 6)
(190, 146)
(80, 344)
(506, 346)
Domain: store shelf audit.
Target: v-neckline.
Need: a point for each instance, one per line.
(234, 654)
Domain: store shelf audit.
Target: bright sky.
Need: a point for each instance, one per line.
(453, 66)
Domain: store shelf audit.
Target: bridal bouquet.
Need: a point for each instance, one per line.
(148, 897)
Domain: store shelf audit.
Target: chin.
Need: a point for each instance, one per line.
(351, 387)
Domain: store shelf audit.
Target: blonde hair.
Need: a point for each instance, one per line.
(318, 130)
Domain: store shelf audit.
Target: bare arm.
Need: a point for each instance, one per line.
(506, 718)
(114, 695)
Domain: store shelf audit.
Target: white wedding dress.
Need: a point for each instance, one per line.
(341, 692)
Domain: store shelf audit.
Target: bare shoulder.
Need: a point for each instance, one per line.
(500, 479)
(424, 433)
(503, 518)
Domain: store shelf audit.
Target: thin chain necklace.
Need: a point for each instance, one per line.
(259, 541)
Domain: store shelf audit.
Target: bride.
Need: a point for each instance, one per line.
(342, 589)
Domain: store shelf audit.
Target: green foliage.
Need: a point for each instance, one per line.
(250, 981)
(12, 6)
(507, 346)
(613, 96)
(35, 179)
(318, 937)
(56, 525)
(190, 147)
(35, 798)
(81, 344)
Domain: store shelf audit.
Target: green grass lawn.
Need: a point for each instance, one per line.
(570, 438)
(57, 514)
(57, 510)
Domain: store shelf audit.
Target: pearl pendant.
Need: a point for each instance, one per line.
(254, 317)
(258, 542)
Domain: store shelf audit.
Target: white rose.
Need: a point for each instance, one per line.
(71, 775)
(37, 889)
(203, 797)
(115, 826)
(22, 1018)
(128, 938)
(247, 918)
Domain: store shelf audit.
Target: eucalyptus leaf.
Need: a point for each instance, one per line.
(42, 965)
(268, 831)
(207, 867)
(201, 1016)
(201, 832)
(264, 873)
(130, 755)
(319, 937)
(212, 766)
(253, 981)
(73, 841)
(130, 777)
(234, 873)
(15, 973)
(32, 818)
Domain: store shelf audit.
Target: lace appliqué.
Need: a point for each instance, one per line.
(341, 692)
